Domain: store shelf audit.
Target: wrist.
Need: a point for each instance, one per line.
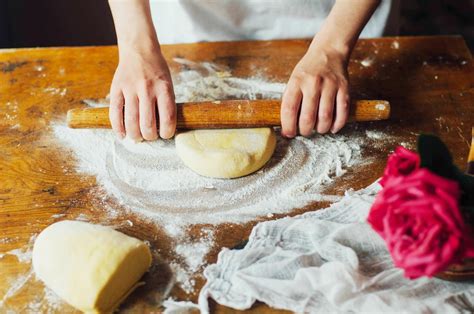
(333, 43)
(142, 45)
(343, 25)
(330, 46)
(134, 27)
(137, 37)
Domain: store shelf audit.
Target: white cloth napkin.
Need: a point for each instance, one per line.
(327, 261)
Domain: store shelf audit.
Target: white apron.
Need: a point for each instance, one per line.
(187, 21)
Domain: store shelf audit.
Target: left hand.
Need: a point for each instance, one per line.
(317, 93)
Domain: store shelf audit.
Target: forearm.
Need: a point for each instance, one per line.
(344, 24)
(134, 25)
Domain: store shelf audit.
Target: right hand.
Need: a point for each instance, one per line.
(142, 84)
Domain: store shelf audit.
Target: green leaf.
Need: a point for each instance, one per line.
(435, 156)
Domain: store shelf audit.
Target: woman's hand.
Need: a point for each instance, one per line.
(317, 94)
(142, 83)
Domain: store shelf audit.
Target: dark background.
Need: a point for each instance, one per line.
(39, 23)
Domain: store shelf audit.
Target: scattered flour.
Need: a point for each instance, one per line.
(96, 103)
(55, 91)
(58, 215)
(54, 301)
(183, 277)
(15, 286)
(23, 255)
(148, 178)
(395, 45)
(179, 307)
(49, 302)
(376, 135)
(39, 68)
(367, 62)
(82, 217)
(193, 254)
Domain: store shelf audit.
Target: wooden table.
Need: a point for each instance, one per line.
(428, 80)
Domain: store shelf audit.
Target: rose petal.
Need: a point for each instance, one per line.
(417, 214)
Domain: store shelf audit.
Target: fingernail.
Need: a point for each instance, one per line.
(166, 134)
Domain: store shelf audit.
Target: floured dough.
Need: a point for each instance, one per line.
(91, 267)
(228, 153)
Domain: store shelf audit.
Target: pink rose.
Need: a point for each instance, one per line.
(401, 162)
(419, 219)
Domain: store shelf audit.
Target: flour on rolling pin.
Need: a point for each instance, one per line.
(380, 106)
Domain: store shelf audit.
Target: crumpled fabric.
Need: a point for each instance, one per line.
(327, 261)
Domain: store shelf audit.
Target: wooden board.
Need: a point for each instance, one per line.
(428, 80)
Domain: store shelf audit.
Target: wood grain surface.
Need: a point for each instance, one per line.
(429, 82)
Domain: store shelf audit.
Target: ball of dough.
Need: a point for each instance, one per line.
(91, 267)
(228, 153)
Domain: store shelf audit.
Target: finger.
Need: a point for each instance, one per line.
(290, 105)
(166, 113)
(326, 108)
(116, 112)
(309, 110)
(132, 126)
(342, 108)
(147, 117)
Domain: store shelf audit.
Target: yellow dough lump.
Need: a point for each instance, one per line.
(228, 153)
(91, 267)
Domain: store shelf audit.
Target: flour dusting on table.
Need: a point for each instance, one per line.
(148, 178)
(194, 254)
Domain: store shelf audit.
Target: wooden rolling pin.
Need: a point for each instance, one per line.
(227, 114)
